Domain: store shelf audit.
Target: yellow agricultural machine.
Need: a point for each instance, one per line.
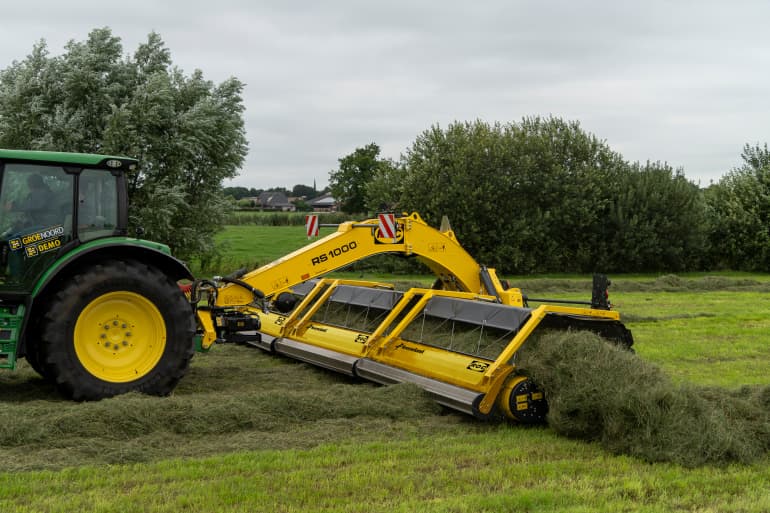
(98, 313)
(457, 340)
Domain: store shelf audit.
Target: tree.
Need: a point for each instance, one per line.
(187, 132)
(739, 211)
(542, 195)
(348, 183)
(521, 197)
(384, 190)
(302, 206)
(657, 220)
(237, 192)
(304, 190)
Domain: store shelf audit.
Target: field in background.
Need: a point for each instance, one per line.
(249, 432)
(252, 246)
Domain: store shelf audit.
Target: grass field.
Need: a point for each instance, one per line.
(245, 431)
(252, 246)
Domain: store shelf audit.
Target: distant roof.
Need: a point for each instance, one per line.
(324, 200)
(273, 199)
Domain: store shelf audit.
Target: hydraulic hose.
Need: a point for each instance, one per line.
(195, 290)
(257, 293)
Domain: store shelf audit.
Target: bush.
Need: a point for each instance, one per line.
(739, 210)
(542, 195)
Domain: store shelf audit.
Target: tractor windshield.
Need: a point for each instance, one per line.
(35, 221)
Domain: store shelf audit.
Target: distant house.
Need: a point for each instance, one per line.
(324, 203)
(273, 200)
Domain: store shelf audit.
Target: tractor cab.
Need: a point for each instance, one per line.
(49, 204)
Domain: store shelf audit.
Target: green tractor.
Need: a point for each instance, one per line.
(93, 311)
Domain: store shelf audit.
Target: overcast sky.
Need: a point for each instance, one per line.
(683, 82)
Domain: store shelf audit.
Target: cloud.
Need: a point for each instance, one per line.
(682, 82)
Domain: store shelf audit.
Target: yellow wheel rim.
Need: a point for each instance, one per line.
(120, 337)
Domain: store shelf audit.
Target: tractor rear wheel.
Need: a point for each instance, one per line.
(33, 351)
(34, 358)
(117, 327)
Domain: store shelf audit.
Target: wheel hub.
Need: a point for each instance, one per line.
(117, 334)
(120, 336)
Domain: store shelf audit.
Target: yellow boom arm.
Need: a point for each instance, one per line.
(439, 250)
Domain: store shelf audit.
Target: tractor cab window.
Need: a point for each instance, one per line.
(35, 219)
(97, 204)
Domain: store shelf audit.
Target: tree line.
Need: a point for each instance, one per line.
(298, 191)
(243, 198)
(542, 195)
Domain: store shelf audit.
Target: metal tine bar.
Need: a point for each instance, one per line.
(326, 310)
(377, 319)
(481, 336)
(507, 337)
(363, 318)
(444, 320)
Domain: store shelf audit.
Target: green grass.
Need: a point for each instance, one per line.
(249, 432)
(246, 431)
(717, 342)
(252, 246)
(497, 470)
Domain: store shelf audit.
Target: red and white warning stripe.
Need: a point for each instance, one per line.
(311, 225)
(387, 226)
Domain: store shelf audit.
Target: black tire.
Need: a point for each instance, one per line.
(33, 350)
(150, 345)
(34, 359)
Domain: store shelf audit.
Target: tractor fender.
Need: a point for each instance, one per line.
(92, 253)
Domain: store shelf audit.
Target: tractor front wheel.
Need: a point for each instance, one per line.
(118, 327)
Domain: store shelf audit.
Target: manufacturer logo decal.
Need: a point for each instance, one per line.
(477, 366)
(410, 348)
(41, 241)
